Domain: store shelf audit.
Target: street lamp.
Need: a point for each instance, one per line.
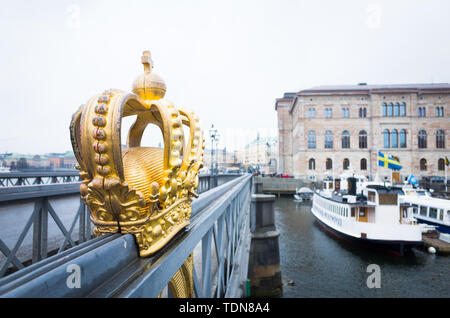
(213, 134)
(217, 152)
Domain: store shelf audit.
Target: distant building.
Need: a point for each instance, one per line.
(325, 130)
(227, 160)
(18, 161)
(262, 154)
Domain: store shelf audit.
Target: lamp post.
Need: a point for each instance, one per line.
(217, 152)
(213, 134)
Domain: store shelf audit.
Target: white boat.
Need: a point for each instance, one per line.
(340, 183)
(298, 198)
(416, 191)
(429, 210)
(371, 214)
(303, 194)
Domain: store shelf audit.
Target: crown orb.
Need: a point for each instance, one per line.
(149, 86)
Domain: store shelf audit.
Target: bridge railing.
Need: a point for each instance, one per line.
(17, 178)
(39, 221)
(218, 236)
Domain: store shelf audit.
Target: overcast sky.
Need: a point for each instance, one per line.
(226, 60)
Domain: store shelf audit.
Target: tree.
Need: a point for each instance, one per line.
(22, 164)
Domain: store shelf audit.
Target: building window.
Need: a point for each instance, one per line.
(439, 111)
(362, 112)
(384, 109)
(441, 164)
(397, 109)
(345, 113)
(311, 112)
(403, 138)
(422, 139)
(403, 109)
(394, 139)
(346, 164)
(423, 164)
(363, 164)
(386, 140)
(311, 139)
(345, 139)
(329, 164)
(390, 109)
(328, 139)
(312, 164)
(422, 112)
(328, 112)
(362, 139)
(440, 139)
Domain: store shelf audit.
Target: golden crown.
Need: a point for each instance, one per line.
(145, 191)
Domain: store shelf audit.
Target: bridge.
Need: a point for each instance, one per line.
(136, 221)
(40, 251)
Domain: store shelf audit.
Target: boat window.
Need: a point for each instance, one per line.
(415, 210)
(371, 196)
(387, 199)
(405, 213)
(441, 214)
(423, 210)
(362, 211)
(353, 212)
(433, 213)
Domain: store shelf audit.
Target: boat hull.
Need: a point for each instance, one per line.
(392, 247)
(440, 227)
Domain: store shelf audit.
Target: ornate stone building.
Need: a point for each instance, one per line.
(261, 153)
(326, 129)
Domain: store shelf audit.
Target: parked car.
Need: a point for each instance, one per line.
(438, 179)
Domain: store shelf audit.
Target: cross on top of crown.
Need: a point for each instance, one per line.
(147, 61)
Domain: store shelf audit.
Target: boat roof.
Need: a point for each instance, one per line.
(427, 201)
(385, 189)
(360, 199)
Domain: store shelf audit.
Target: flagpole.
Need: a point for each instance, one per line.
(446, 164)
(445, 177)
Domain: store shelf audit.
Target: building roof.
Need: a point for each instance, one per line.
(364, 87)
(262, 140)
(287, 97)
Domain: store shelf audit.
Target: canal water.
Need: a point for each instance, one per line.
(321, 266)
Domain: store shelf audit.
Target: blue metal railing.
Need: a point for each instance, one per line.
(219, 231)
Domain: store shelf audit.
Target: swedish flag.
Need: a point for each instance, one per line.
(388, 162)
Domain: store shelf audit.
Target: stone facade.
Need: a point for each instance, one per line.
(369, 114)
(261, 153)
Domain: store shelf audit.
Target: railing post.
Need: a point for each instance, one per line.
(264, 269)
(258, 185)
(40, 231)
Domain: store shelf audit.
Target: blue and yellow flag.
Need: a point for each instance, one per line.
(388, 162)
